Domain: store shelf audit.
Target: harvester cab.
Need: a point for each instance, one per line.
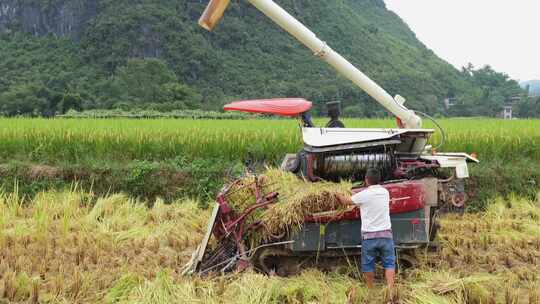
(420, 180)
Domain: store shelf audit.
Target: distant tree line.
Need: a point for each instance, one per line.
(491, 91)
(148, 84)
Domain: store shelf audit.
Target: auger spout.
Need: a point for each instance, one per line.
(294, 27)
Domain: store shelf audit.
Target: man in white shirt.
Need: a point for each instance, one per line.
(377, 239)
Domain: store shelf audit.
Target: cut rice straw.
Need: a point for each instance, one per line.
(297, 199)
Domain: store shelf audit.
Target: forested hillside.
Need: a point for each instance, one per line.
(57, 55)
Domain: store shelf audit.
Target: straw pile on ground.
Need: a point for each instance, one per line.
(297, 199)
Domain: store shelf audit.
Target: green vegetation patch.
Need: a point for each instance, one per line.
(198, 178)
(152, 55)
(171, 158)
(53, 141)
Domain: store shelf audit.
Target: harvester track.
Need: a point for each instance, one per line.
(282, 262)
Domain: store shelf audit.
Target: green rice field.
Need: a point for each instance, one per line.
(73, 140)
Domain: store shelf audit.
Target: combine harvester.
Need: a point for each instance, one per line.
(420, 181)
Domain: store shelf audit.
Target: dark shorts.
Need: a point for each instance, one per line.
(373, 248)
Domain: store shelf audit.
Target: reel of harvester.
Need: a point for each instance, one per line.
(229, 227)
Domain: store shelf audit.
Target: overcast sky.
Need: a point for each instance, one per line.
(502, 33)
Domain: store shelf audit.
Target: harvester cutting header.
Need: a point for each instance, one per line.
(413, 173)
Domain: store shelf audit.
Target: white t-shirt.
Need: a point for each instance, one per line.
(374, 203)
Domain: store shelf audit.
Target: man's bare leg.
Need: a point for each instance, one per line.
(390, 275)
(370, 278)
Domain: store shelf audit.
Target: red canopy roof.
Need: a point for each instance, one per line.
(278, 106)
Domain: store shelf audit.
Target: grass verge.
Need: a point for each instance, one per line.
(201, 178)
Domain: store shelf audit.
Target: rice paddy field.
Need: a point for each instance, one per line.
(75, 246)
(71, 247)
(73, 140)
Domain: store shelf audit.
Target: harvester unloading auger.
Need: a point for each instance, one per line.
(414, 174)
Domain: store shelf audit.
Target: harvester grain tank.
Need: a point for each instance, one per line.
(420, 180)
